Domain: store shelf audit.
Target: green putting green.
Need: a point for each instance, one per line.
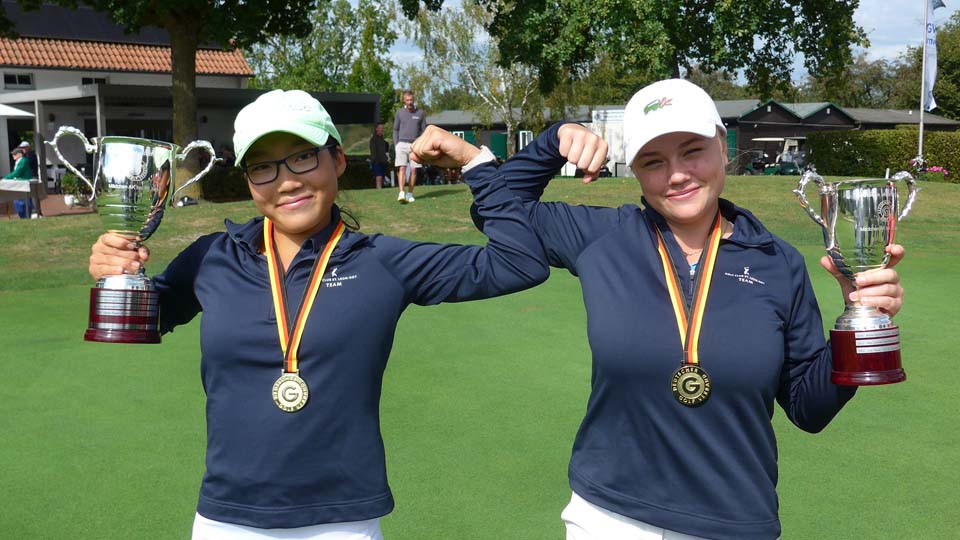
(481, 400)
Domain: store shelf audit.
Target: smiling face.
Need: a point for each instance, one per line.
(299, 205)
(682, 176)
(408, 101)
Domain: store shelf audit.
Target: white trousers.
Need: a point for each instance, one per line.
(208, 529)
(586, 521)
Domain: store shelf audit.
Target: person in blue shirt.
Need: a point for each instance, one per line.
(299, 311)
(699, 320)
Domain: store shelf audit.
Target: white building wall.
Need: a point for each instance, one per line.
(608, 125)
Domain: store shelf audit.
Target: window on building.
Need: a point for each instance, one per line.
(17, 81)
(94, 80)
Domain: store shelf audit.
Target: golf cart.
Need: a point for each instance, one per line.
(776, 155)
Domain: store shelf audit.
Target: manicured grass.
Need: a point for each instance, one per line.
(481, 400)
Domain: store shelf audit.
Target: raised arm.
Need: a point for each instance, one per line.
(564, 230)
(513, 258)
(530, 170)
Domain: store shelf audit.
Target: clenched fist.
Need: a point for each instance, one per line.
(441, 148)
(584, 149)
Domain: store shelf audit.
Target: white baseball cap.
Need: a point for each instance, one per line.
(668, 106)
(293, 111)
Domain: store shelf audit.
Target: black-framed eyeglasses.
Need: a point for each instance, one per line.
(299, 162)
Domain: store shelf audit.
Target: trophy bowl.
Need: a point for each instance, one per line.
(131, 188)
(859, 220)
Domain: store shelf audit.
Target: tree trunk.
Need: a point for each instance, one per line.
(184, 37)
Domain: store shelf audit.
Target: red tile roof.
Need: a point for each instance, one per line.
(92, 55)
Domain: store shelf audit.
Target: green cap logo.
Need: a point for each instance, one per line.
(656, 105)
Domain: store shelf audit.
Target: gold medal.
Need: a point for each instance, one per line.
(290, 392)
(691, 385)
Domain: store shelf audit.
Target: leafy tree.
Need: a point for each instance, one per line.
(411, 8)
(760, 37)
(455, 39)
(905, 86)
(720, 85)
(895, 84)
(191, 22)
(454, 99)
(346, 52)
(947, 89)
(370, 71)
(604, 83)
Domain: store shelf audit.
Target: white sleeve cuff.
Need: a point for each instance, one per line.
(484, 156)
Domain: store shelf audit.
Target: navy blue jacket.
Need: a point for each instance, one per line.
(709, 471)
(324, 464)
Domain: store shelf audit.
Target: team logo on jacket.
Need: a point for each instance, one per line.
(336, 279)
(745, 277)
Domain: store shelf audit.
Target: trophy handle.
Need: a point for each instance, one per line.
(183, 155)
(912, 196)
(87, 146)
(807, 177)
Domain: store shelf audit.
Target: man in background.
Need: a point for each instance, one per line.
(379, 155)
(408, 124)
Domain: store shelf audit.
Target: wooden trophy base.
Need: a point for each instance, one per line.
(866, 357)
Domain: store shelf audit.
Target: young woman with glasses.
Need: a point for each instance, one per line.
(299, 313)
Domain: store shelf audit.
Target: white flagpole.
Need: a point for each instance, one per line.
(923, 75)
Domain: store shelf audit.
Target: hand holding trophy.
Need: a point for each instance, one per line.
(859, 219)
(131, 188)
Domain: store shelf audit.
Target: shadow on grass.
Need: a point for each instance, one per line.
(437, 193)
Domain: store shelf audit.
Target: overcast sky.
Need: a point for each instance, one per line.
(891, 25)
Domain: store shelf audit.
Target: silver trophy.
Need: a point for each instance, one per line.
(131, 187)
(859, 220)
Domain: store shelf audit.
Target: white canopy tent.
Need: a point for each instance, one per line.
(10, 189)
(6, 111)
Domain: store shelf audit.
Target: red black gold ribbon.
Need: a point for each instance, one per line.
(691, 385)
(290, 341)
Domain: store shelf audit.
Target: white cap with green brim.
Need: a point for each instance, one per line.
(669, 106)
(294, 111)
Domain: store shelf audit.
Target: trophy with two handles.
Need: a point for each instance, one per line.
(131, 187)
(859, 220)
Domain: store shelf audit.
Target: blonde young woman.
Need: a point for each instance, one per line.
(699, 320)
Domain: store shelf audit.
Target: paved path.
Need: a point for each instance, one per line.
(52, 206)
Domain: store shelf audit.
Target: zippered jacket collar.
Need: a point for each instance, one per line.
(747, 229)
(249, 235)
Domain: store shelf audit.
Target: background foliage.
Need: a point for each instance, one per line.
(869, 153)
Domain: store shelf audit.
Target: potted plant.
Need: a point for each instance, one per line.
(76, 192)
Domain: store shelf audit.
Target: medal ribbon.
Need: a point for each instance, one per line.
(690, 318)
(290, 342)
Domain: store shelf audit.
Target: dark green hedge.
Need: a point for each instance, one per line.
(225, 184)
(869, 153)
(358, 174)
